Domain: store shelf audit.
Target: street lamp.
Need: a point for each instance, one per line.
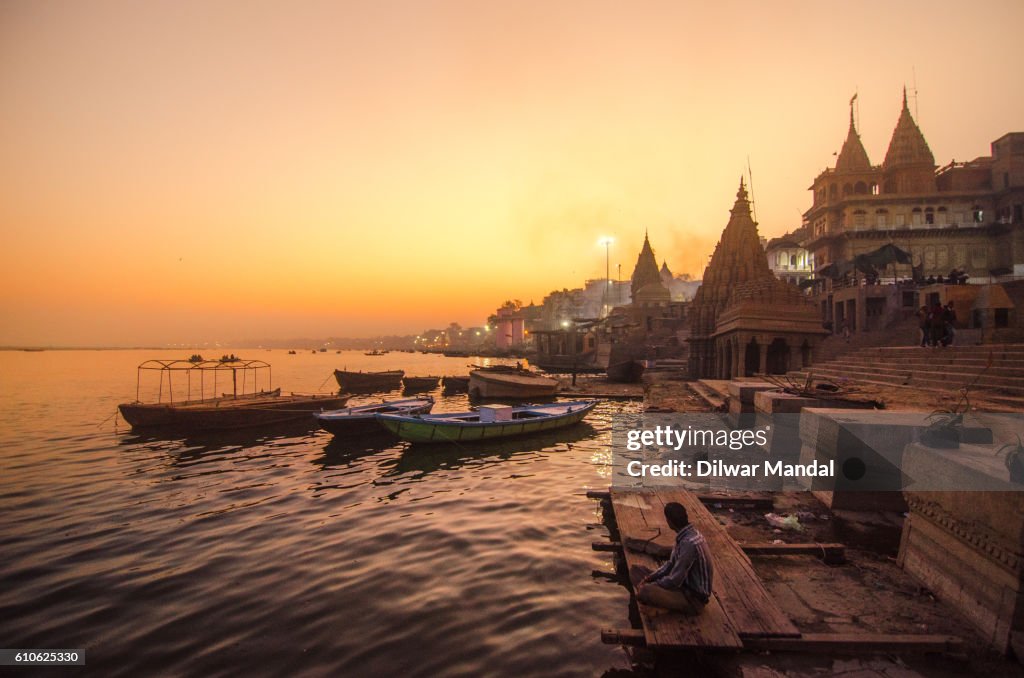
(607, 242)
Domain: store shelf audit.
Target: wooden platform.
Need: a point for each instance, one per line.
(741, 613)
(740, 606)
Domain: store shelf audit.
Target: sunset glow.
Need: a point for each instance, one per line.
(188, 172)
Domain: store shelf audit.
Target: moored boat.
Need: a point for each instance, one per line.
(238, 409)
(418, 384)
(261, 409)
(486, 423)
(455, 384)
(362, 418)
(368, 382)
(510, 383)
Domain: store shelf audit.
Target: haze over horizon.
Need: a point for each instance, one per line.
(181, 172)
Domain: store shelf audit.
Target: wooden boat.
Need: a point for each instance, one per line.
(241, 408)
(362, 418)
(416, 384)
(368, 382)
(487, 423)
(229, 412)
(455, 384)
(625, 372)
(510, 383)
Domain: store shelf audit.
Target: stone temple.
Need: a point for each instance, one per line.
(743, 319)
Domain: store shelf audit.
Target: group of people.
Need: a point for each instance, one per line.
(956, 277)
(938, 325)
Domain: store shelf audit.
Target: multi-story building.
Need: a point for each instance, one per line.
(788, 259)
(963, 215)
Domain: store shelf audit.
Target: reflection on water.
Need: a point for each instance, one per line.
(290, 552)
(417, 460)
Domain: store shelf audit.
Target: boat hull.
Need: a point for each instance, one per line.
(356, 420)
(426, 430)
(227, 413)
(416, 384)
(510, 385)
(368, 382)
(455, 384)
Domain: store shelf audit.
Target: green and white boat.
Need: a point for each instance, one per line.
(486, 423)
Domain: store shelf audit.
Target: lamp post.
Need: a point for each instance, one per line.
(607, 242)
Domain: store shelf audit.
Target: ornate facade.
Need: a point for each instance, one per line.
(965, 216)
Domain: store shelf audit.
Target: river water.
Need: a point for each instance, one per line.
(293, 553)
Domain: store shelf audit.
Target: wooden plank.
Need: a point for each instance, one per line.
(748, 604)
(600, 495)
(858, 642)
(639, 516)
(729, 501)
(633, 637)
(830, 553)
(606, 546)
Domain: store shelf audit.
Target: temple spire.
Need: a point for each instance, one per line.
(646, 270)
(852, 156)
(907, 146)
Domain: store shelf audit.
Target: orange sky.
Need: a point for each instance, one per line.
(208, 171)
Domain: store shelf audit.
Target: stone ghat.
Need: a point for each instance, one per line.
(912, 375)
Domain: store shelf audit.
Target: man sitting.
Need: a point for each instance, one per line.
(683, 583)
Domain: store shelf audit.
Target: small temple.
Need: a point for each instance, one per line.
(744, 320)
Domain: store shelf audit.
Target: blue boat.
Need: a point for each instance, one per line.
(361, 419)
(486, 423)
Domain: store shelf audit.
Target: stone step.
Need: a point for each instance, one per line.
(710, 396)
(1013, 401)
(937, 361)
(992, 393)
(955, 368)
(998, 350)
(952, 376)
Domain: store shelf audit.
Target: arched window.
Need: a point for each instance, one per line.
(860, 188)
(874, 189)
(847, 189)
(792, 260)
(929, 216)
(978, 213)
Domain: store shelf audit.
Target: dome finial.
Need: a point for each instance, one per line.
(905, 107)
(742, 193)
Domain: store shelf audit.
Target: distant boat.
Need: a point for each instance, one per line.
(487, 423)
(362, 419)
(417, 384)
(291, 352)
(626, 371)
(376, 352)
(510, 383)
(455, 384)
(368, 382)
(232, 411)
(323, 350)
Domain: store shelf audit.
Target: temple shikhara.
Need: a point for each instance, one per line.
(744, 320)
